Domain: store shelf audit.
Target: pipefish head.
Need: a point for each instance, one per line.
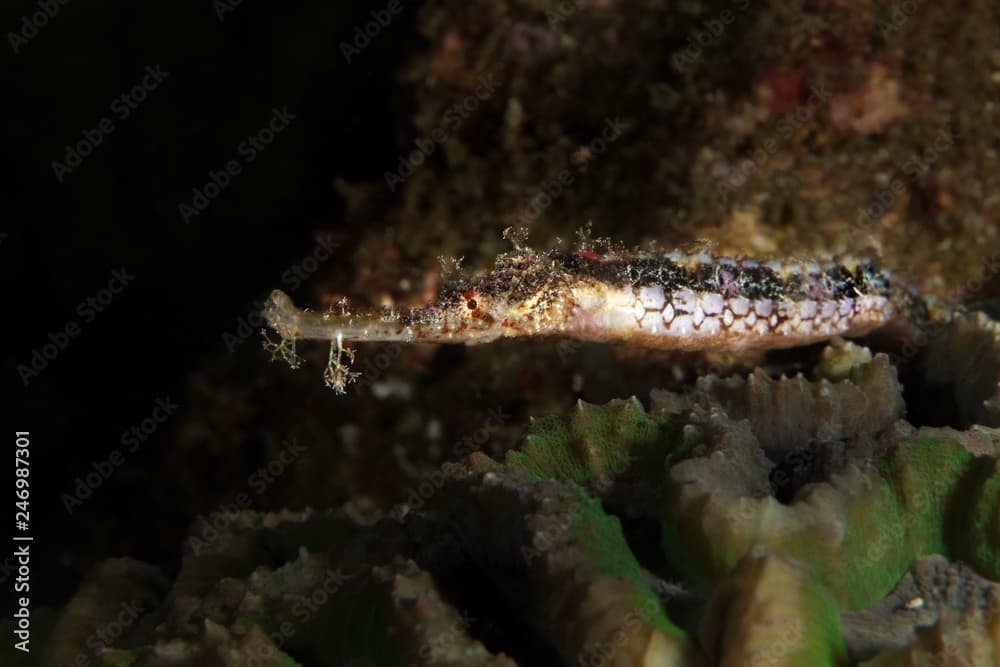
(524, 294)
(463, 313)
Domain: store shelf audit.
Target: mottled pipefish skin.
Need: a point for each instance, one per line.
(657, 300)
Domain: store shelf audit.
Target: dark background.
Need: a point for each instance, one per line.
(119, 210)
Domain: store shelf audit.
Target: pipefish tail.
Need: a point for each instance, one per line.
(676, 301)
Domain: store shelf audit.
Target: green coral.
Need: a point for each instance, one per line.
(933, 496)
(773, 610)
(861, 531)
(823, 643)
(926, 496)
(569, 558)
(356, 624)
(618, 439)
(118, 658)
(608, 555)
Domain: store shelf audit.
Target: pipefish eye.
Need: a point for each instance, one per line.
(471, 303)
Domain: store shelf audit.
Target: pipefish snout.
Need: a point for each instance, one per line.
(672, 300)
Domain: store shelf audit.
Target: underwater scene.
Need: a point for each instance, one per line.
(504, 333)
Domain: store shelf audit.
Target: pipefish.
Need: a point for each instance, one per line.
(672, 300)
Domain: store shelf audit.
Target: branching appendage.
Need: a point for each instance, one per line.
(338, 373)
(281, 316)
(518, 237)
(283, 348)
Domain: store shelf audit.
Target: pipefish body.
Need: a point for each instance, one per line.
(676, 301)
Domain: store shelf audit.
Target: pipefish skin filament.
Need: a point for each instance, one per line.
(674, 300)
